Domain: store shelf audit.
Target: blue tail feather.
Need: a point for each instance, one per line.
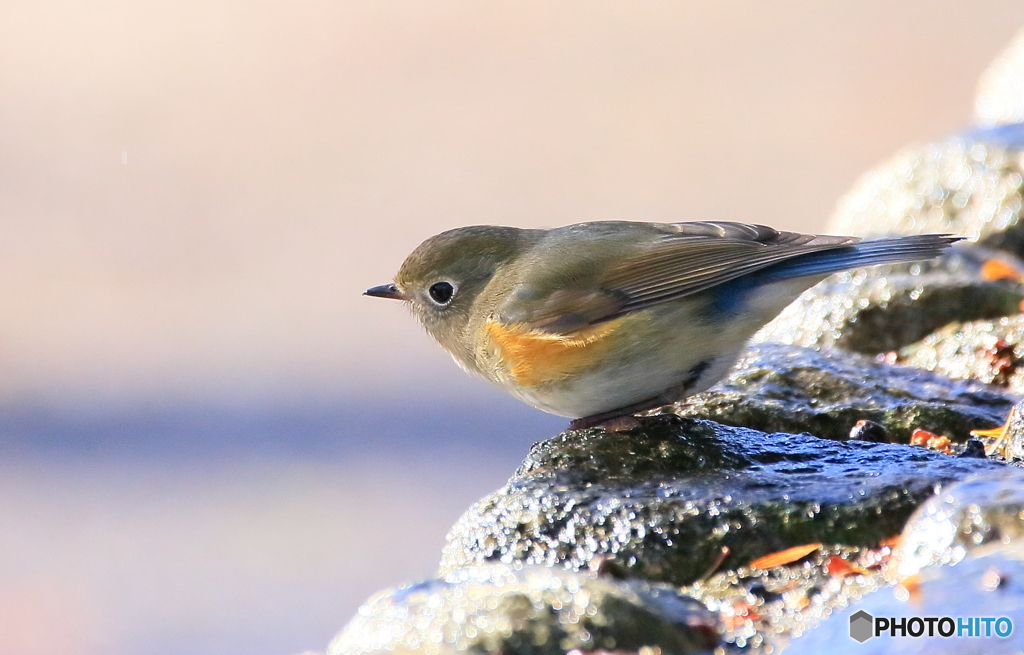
(864, 253)
(731, 296)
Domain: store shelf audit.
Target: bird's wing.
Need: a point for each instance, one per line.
(684, 259)
(704, 255)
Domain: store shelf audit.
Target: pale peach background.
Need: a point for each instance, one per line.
(193, 195)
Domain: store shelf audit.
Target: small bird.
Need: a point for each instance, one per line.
(597, 321)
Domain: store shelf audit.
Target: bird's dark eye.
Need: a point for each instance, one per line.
(441, 292)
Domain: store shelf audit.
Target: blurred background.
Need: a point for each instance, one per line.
(209, 442)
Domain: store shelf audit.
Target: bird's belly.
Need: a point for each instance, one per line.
(605, 390)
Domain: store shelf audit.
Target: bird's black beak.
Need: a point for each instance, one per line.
(385, 291)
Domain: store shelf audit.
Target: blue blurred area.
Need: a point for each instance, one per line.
(415, 428)
(1005, 135)
(248, 530)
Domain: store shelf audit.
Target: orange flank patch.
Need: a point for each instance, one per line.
(783, 557)
(534, 357)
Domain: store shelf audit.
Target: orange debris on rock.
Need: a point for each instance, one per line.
(999, 433)
(739, 614)
(783, 557)
(842, 567)
(931, 440)
(921, 437)
(996, 269)
(908, 589)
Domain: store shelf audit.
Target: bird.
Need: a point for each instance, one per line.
(600, 321)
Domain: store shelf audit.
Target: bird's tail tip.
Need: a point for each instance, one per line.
(885, 250)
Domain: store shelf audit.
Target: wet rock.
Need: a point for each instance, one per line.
(880, 309)
(973, 448)
(777, 388)
(506, 610)
(988, 585)
(1012, 447)
(984, 509)
(988, 351)
(865, 430)
(660, 502)
(762, 609)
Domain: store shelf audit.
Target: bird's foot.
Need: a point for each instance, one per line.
(616, 424)
(618, 420)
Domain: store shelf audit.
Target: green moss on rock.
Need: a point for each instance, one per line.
(663, 510)
(776, 388)
(528, 611)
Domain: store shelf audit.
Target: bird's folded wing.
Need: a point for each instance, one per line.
(693, 258)
(680, 266)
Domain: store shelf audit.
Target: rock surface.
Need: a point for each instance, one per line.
(504, 610)
(762, 609)
(988, 351)
(1012, 447)
(777, 388)
(963, 518)
(660, 502)
(880, 309)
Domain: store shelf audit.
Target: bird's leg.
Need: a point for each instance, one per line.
(622, 423)
(618, 420)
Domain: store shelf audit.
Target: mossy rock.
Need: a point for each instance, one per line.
(776, 388)
(528, 611)
(661, 501)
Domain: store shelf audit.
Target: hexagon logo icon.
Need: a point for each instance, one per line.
(862, 626)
